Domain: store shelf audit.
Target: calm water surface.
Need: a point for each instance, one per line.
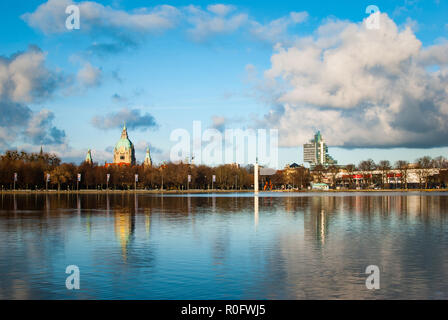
(232, 246)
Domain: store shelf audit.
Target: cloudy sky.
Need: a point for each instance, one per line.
(298, 66)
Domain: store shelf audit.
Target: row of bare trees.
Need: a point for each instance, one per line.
(420, 166)
(32, 170)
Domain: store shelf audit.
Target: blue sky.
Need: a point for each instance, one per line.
(241, 63)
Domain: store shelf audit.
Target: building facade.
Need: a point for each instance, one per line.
(147, 162)
(124, 152)
(316, 152)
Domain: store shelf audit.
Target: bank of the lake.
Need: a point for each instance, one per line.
(210, 191)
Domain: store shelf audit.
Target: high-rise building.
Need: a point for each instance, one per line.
(316, 152)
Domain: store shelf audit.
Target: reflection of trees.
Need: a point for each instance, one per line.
(387, 230)
(342, 233)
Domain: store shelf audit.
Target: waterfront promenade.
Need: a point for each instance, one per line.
(200, 191)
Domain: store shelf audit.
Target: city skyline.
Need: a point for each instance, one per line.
(242, 66)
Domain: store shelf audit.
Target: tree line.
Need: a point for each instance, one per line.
(420, 166)
(34, 169)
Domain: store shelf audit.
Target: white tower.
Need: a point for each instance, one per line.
(256, 176)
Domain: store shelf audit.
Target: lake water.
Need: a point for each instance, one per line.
(224, 246)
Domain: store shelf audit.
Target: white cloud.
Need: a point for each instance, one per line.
(89, 75)
(133, 118)
(40, 129)
(50, 17)
(361, 88)
(220, 9)
(24, 78)
(126, 29)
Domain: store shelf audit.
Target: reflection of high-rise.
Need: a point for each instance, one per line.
(316, 222)
(256, 211)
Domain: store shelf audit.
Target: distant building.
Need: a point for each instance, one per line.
(319, 186)
(316, 152)
(89, 157)
(124, 152)
(147, 162)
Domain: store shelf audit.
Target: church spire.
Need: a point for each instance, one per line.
(148, 161)
(89, 157)
(124, 133)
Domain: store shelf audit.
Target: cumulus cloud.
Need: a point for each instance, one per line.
(220, 9)
(114, 30)
(133, 118)
(40, 129)
(89, 76)
(224, 19)
(24, 79)
(361, 88)
(121, 28)
(50, 17)
(14, 116)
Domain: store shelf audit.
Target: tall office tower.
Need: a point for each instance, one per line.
(316, 152)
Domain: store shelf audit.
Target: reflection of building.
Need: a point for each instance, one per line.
(316, 152)
(124, 228)
(316, 221)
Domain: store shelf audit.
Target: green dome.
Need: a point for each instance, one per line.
(123, 142)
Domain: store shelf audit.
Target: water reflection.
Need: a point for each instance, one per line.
(256, 209)
(224, 246)
(124, 229)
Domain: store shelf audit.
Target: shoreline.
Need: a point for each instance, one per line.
(87, 191)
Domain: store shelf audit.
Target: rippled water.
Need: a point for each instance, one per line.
(231, 246)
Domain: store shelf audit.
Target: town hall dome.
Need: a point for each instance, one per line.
(124, 152)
